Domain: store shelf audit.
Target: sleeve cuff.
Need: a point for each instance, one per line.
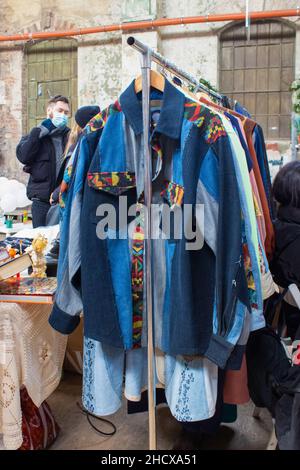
(63, 322)
(236, 358)
(219, 351)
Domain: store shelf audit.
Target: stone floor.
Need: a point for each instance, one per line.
(247, 433)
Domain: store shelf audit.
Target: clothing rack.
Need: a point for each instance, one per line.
(149, 55)
(168, 65)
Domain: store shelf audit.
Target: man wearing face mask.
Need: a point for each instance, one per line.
(41, 151)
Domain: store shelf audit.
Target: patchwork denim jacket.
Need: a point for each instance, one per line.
(200, 296)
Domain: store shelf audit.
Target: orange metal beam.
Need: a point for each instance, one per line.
(135, 25)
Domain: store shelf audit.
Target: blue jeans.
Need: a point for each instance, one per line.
(39, 210)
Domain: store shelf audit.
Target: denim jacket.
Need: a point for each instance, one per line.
(200, 296)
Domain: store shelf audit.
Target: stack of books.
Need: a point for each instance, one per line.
(12, 266)
(14, 288)
(28, 290)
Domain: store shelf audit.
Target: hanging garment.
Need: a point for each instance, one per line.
(249, 126)
(190, 383)
(261, 153)
(238, 127)
(251, 243)
(196, 150)
(267, 285)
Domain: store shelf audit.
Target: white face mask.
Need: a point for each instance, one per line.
(59, 119)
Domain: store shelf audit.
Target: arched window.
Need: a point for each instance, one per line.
(52, 70)
(259, 73)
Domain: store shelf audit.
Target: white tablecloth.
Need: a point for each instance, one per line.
(17, 227)
(31, 354)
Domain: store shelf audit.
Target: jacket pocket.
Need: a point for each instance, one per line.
(114, 182)
(40, 170)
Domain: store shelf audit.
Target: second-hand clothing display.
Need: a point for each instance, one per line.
(210, 269)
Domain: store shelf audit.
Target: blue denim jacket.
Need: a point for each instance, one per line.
(197, 294)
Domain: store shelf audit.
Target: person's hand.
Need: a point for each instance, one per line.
(51, 199)
(48, 124)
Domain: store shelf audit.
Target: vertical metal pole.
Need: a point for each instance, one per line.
(146, 66)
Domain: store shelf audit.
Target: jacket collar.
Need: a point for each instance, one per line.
(289, 214)
(171, 114)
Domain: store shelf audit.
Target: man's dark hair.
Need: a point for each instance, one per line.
(286, 186)
(57, 98)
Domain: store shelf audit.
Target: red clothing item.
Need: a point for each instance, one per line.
(236, 386)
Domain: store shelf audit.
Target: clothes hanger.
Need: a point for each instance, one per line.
(204, 99)
(189, 93)
(157, 81)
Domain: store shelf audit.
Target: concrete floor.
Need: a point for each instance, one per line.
(247, 433)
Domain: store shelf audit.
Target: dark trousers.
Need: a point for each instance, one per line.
(39, 210)
(211, 425)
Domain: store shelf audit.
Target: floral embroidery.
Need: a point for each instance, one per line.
(44, 352)
(7, 390)
(182, 411)
(88, 374)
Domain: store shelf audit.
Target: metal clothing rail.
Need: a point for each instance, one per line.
(166, 64)
(151, 24)
(146, 67)
(148, 55)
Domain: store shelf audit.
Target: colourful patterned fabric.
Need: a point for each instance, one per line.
(194, 112)
(215, 130)
(98, 121)
(65, 185)
(198, 113)
(115, 182)
(252, 294)
(157, 149)
(137, 277)
(173, 193)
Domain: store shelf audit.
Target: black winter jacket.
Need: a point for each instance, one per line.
(285, 266)
(37, 153)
